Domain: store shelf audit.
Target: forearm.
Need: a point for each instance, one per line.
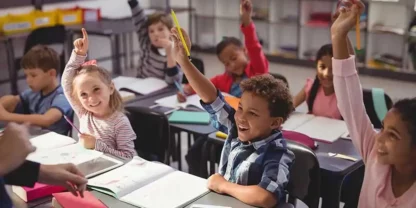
(75, 61)
(171, 62)
(126, 151)
(200, 84)
(245, 194)
(9, 102)
(33, 119)
(351, 50)
(340, 46)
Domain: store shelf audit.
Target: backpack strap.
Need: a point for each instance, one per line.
(379, 102)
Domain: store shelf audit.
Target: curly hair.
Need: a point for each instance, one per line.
(116, 101)
(275, 91)
(407, 109)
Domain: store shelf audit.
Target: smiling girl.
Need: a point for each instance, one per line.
(97, 104)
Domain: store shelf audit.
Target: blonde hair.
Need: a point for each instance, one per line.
(116, 102)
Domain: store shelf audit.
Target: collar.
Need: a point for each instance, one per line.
(41, 93)
(276, 134)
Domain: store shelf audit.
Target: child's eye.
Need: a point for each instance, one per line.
(253, 114)
(234, 58)
(96, 89)
(83, 94)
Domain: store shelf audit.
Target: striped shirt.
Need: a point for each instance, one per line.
(265, 162)
(114, 134)
(152, 63)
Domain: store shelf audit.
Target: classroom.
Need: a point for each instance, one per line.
(207, 104)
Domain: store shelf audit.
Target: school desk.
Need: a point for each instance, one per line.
(333, 170)
(191, 129)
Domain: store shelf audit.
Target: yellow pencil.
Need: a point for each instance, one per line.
(175, 20)
(357, 32)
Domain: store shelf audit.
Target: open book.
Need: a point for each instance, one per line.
(51, 140)
(138, 85)
(172, 102)
(149, 185)
(318, 128)
(89, 162)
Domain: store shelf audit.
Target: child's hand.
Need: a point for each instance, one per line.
(179, 52)
(181, 97)
(347, 17)
(3, 113)
(166, 43)
(216, 182)
(88, 141)
(81, 44)
(246, 10)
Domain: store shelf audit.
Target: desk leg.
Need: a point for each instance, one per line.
(130, 36)
(331, 190)
(115, 53)
(125, 51)
(11, 66)
(179, 152)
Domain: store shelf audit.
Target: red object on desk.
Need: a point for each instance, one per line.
(300, 138)
(67, 200)
(38, 191)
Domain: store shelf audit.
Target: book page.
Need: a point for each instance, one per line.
(124, 82)
(295, 120)
(172, 102)
(323, 129)
(51, 140)
(133, 175)
(74, 153)
(173, 190)
(147, 86)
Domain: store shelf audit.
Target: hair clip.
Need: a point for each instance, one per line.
(91, 62)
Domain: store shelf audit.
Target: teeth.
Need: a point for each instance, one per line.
(242, 127)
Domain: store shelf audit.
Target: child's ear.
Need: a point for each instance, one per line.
(52, 72)
(276, 122)
(112, 88)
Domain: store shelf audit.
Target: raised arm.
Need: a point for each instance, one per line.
(75, 61)
(347, 84)
(139, 21)
(260, 64)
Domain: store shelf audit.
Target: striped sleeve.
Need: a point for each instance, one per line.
(75, 61)
(124, 136)
(222, 114)
(140, 23)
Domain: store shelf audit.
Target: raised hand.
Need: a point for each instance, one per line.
(14, 147)
(179, 52)
(81, 44)
(246, 10)
(347, 17)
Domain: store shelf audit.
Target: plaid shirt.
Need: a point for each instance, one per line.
(265, 162)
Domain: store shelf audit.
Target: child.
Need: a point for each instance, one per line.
(156, 48)
(233, 55)
(44, 104)
(255, 162)
(389, 155)
(98, 105)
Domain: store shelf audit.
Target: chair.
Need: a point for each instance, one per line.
(373, 102)
(199, 64)
(304, 179)
(152, 130)
(45, 36)
(300, 138)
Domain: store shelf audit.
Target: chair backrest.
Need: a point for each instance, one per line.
(300, 138)
(370, 103)
(199, 64)
(152, 130)
(304, 179)
(47, 36)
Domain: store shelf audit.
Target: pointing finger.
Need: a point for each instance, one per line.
(84, 34)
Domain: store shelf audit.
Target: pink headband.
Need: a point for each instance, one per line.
(91, 62)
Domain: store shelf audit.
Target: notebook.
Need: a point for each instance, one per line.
(126, 96)
(172, 102)
(150, 185)
(89, 162)
(319, 128)
(138, 85)
(38, 191)
(51, 140)
(189, 117)
(67, 200)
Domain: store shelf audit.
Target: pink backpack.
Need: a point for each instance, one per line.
(300, 138)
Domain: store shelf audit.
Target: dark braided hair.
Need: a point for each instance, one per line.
(407, 109)
(325, 50)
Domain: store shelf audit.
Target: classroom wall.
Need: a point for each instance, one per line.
(99, 46)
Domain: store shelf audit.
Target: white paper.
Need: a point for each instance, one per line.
(74, 153)
(323, 129)
(51, 140)
(147, 86)
(124, 82)
(173, 190)
(133, 175)
(295, 120)
(172, 102)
